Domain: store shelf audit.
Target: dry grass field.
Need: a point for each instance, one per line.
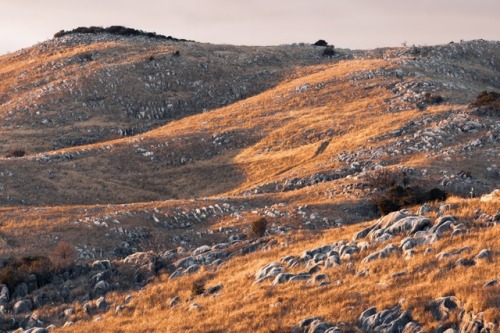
(129, 148)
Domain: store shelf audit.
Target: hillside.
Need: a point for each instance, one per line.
(137, 166)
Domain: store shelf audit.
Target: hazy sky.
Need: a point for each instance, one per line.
(358, 24)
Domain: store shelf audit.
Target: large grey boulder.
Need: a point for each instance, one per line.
(185, 262)
(101, 303)
(441, 307)
(268, 271)
(442, 224)
(201, 249)
(101, 288)
(483, 255)
(23, 306)
(20, 291)
(282, 278)
(100, 265)
(140, 258)
(4, 294)
(410, 224)
(192, 269)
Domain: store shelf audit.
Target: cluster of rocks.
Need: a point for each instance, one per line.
(215, 255)
(387, 320)
(247, 71)
(297, 183)
(316, 325)
(313, 260)
(17, 308)
(419, 231)
(448, 310)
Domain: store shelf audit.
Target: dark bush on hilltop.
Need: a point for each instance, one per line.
(321, 42)
(329, 51)
(259, 227)
(116, 30)
(487, 104)
(16, 153)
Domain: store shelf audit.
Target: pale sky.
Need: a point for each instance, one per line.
(355, 24)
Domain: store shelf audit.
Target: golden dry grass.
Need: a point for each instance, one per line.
(276, 135)
(243, 306)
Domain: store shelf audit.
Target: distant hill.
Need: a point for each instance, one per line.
(243, 186)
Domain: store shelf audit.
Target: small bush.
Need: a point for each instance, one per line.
(259, 227)
(63, 255)
(11, 276)
(386, 178)
(385, 205)
(329, 51)
(38, 265)
(398, 197)
(16, 153)
(433, 99)
(321, 42)
(486, 98)
(487, 104)
(17, 270)
(197, 288)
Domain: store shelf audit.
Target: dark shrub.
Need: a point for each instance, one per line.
(486, 98)
(398, 197)
(386, 178)
(436, 194)
(321, 42)
(40, 266)
(386, 205)
(259, 227)
(16, 153)
(328, 51)
(433, 99)
(11, 276)
(63, 255)
(197, 288)
(177, 54)
(16, 270)
(487, 104)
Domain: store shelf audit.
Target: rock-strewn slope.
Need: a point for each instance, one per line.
(323, 123)
(139, 166)
(85, 88)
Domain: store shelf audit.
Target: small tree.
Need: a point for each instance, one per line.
(259, 227)
(63, 255)
(197, 288)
